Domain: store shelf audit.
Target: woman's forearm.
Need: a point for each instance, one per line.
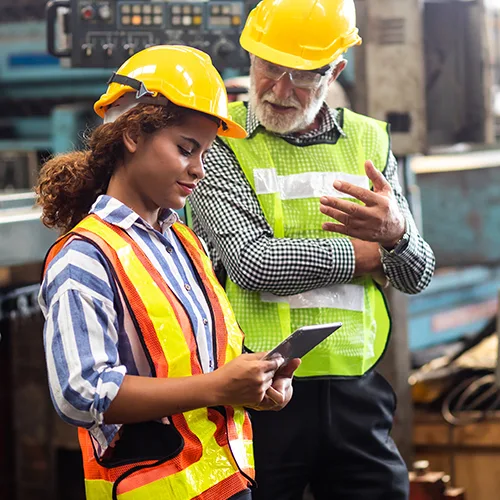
(141, 399)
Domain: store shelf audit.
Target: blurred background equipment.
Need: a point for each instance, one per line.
(428, 485)
(103, 33)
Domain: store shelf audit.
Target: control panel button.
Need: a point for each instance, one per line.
(126, 20)
(125, 9)
(88, 12)
(147, 9)
(87, 49)
(136, 9)
(157, 9)
(147, 20)
(158, 20)
(136, 20)
(224, 47)
(129, 48)
(108, 49)
(105, 12)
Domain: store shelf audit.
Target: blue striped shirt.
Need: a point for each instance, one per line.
(90, 339)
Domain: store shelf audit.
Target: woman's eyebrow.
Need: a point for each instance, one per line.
(194, 142)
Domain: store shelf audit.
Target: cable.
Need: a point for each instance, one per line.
(461, 405)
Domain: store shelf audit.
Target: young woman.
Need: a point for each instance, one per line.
(143, 351)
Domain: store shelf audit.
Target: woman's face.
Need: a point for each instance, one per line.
(162, 169)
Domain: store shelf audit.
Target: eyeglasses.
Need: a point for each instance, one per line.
(302, 79)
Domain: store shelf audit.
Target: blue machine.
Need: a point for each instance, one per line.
(459, 208)
(45, 107)
(41, 100)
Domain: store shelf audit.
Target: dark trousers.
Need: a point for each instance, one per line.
(242, 495)
(334, 436)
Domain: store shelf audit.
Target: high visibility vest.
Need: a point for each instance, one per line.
(215, 456)
(288, 181)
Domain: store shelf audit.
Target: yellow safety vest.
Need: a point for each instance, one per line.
(288, 181)
(215, 456)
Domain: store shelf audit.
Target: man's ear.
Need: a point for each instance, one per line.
(130, 140)
(338, 69)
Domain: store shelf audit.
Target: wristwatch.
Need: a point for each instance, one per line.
(398, 248)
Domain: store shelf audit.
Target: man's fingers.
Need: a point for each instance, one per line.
(337, 228)
(378, 180)
(343, 210)
(365, 195)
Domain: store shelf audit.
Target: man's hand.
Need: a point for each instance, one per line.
(378, 220)
(281, 391)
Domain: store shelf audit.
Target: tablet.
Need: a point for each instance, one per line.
(301, 341)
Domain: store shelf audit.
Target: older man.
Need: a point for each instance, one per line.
(307, 218)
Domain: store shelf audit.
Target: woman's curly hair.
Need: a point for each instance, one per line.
(69, 183)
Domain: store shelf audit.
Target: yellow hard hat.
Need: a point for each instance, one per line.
(183, 75)
(301, 34)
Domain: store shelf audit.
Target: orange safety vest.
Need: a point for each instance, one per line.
(214, 459)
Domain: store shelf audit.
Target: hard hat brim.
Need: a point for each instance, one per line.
(232, 129)
(274, 56)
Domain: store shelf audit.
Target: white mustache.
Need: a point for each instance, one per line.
(288, 103)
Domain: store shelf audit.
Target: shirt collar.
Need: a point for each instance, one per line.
(115, 212)
(329, 120)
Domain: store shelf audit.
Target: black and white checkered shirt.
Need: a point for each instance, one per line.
(227, 215)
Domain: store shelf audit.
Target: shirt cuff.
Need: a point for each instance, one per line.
(343, 259)
(108, 385)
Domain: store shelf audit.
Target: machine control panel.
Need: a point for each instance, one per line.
(104, 33)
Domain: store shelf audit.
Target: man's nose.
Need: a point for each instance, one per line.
(283, 88)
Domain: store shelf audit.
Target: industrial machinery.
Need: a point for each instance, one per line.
(104, 33)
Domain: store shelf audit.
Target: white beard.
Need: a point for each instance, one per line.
(293, 121)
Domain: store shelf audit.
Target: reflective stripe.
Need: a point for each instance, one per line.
(234, 336)
(160, 311)
(349, 297)
(242, 448)
(266, 181)
(304, 185)
(214, 466)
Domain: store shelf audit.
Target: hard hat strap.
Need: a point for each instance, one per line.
(130, 82)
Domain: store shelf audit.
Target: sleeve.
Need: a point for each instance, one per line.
(411, 270)
(81, 335)
(227, 213)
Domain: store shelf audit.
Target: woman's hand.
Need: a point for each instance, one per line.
(281, 391)
(245, 380)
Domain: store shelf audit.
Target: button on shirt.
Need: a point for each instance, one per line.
(90, 339)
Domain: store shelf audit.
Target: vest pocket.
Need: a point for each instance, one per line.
(141, 442)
